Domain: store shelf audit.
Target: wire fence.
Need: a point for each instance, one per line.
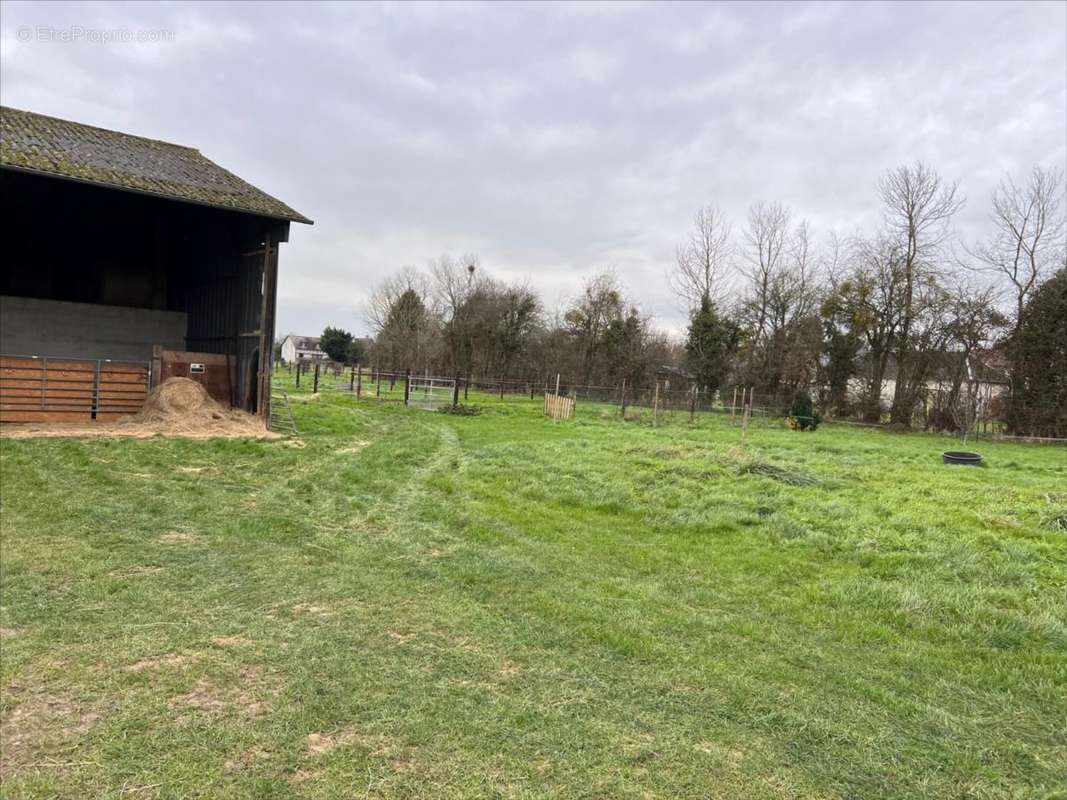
(666, 400)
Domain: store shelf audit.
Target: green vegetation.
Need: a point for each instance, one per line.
(427, 605)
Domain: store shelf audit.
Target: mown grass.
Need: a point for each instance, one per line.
(422, 605)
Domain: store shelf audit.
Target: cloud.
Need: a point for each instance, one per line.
(557, 140)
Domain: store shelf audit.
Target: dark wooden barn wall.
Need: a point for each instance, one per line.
(206, 262)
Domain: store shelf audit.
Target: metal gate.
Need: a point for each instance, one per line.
(40, 389)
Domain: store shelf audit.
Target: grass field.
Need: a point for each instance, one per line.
(422, 605)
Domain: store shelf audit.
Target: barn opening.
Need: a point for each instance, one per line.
(129, 260)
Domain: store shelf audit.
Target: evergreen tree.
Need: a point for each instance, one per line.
(1038, 351)
(335, 342)
(711, 342)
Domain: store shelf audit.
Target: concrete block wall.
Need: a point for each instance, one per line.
(32, 327)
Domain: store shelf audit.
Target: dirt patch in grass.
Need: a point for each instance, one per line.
(169, 660)
(7, 633)
(135, 572)
(178, 537)
(354, 447)
(40, 724)
(379, 746)
(231, 641)
(249, 697)
(314, 609)
(247, 759)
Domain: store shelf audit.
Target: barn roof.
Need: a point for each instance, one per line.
(56, 147)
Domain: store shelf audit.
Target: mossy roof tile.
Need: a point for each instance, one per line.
(65, 149)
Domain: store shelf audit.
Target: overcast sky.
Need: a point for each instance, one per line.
(552, 140)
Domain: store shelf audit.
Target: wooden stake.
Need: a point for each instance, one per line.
(557, 384)
(655, 406)
(733, 407)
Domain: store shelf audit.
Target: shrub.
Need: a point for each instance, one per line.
(460, 410)
(802, 414)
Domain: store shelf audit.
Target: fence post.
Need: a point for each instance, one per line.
(622, 398)
(315, 388)
(352, 379)
(557, 384)
(501, 388)
(407, 385)
(298, 374)
(359, 380)
(692, 402)
(455, 391)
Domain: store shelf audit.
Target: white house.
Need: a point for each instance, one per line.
(301, 348)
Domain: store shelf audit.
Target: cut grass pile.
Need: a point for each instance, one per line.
(427, 605)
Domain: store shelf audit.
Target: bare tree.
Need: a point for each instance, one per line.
(404, 322)
(1028, 237)
(919, 207)
(702, 261)
(767, 244)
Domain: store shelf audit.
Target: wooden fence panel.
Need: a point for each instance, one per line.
(69, 390)
(559, 407)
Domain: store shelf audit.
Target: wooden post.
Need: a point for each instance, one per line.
(359, 380)
(157, 367)
(692, 402)
(743, 406)
(530, 389)
(622, 398)
(501, 388)
(298, 374)
(655, 406)
(315, 385)
(407, 385)
(557, 384)
(352, 380)
(733, 407)
(455, 391)
(466, 387)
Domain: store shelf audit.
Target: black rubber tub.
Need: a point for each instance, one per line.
(959, 457)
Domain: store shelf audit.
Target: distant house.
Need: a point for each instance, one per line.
(301, 348)
(985, 370)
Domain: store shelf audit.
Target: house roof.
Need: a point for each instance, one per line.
(59, 148)
(304, 342)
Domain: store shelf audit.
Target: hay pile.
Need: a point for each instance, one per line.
(177, 407)
(180, 406)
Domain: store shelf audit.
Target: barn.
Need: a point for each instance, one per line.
(129, 260)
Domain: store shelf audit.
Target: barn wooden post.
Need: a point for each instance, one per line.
(266, 328)
(157, 366)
